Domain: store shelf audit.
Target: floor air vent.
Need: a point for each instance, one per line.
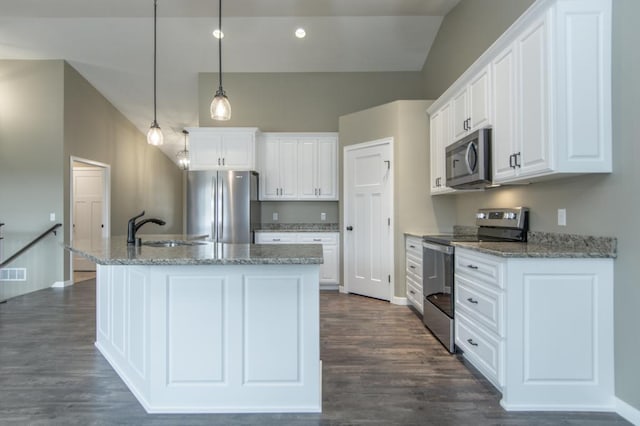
(13, 274)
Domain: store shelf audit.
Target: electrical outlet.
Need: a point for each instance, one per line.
(52, 217)
(562, 217)
(275, 216)
(323, 216)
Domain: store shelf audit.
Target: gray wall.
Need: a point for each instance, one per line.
(465, 33)
(302, 102)
(415, 211)
(596, 204)
(31, 178)
(142, 177)
(48, 113)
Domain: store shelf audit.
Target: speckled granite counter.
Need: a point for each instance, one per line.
(114, 251)
(549, 245)
(299, 227)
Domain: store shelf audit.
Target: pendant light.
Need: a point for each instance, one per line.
(183, 156)
(220, 106)
(154, 136)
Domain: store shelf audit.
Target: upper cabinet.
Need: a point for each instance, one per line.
(545, 89)
(298, 166)
(471, 105)
(222, 148)
(440, 137)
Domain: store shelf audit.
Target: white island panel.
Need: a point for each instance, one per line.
(213, 338)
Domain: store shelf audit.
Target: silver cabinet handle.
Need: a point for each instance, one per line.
(412, 292)
(218, 161)
(470, 300)
(412, 246)
(317, 239)
(275, 239)
(471, 342)
(319, 191)
(412, 267)
(472, 267)
(223, 163)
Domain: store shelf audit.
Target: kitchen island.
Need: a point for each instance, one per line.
(199, 327)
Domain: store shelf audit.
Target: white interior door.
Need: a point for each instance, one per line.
(88, 210)
(368, 236)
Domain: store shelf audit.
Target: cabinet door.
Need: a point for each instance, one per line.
(326, 168)
(440, 138)
(237, 151)
(504, 115)
(288, 167)
(533, 100)
(479, 100)
(307, 165)
(204, 151)
(459, 115)
(270, 170)
(329, 269)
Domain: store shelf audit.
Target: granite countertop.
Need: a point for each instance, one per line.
(115, 251)
(298, 227)
(549, 245)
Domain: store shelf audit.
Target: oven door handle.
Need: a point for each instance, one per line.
(437, 247)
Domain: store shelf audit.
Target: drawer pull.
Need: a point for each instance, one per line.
(412, 246)
(472, 267)
(470, 300)
(412, 267)
(317, 239)
(275, 239)
(412, 292)
(471, 342)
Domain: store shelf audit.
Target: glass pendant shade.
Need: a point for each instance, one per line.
(220, 106)
(154, 136)
(183, 159)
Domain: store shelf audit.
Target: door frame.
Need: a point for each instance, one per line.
(106, 199)
(346, 204)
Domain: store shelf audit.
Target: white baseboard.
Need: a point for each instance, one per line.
(400, 301)
(61, 284)
(342, 289)
(630, 413)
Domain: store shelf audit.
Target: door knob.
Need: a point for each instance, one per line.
(349, 228)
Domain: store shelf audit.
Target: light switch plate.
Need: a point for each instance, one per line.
(323, 216)
(275, 216)
(52, 217)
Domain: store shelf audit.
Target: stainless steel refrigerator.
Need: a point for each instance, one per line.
(223, 205)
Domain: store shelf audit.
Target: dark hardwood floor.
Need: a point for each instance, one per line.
(380, 367)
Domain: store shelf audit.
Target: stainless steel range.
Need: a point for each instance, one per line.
(508, 225)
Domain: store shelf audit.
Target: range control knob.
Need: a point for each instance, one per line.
(481, 215)
(509, 215)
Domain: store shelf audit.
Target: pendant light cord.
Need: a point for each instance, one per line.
(220, 44)
(155, 19)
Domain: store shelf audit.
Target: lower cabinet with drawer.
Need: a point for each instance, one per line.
(539, 329)
(330, 269)
(413, 275)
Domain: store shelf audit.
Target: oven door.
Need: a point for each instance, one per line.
(437, 276)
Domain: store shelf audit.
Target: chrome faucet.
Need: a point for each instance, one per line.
(133, 227)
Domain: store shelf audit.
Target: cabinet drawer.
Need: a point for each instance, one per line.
(275, 237)
(414, 294)
(481, 303)
(413, 246)
(318, 237)
(414, 267)
(477, 266)
(481, 348)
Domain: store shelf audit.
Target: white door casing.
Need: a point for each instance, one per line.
(89, 207)
(368, 210)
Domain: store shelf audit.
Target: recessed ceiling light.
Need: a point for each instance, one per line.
(218, 34)
(301, 33)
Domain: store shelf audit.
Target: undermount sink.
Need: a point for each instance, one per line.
(172, 243)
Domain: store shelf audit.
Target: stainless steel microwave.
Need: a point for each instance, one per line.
(469, 161)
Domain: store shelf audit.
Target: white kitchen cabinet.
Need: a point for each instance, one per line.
(330, 269)
(317, 168)
(298, 166)
(413, 272)
(539, 329)
(545, 89)
(552, 108)
(278, 169)
(471, 106)
(222, 148)
(440, 137)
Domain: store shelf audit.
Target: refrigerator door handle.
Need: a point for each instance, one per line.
(214, 207)
(220, 214)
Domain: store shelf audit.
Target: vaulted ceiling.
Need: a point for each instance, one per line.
(110, 42)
